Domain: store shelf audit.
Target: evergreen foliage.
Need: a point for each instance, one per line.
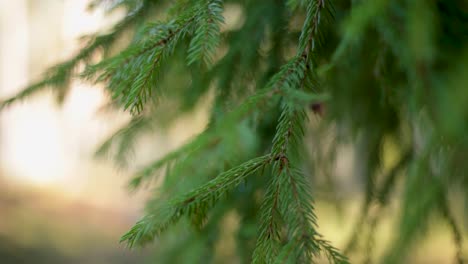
(370, 71)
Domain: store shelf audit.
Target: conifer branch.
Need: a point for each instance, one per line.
(310, 31)
(124, 138)
(132, 75)
(191, 203)
(213, 135)
(455, 229)
(300, 218)
(207, 35)
(268, 243)
(362, 15)
(58, 76)
(382, 196)
(417, 205)
(202, 140)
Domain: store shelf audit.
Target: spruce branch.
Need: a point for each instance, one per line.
(56, 77)
(381, 196)
(192, 203)
(131, 76)
(268, 243)
(418, 204)
(310, 33)
(455, 229)
(123, 139)
(354, 27)
(288, 183)
(303, 98)
(207, 35)
(211, 136)
(199, 142)
(59, 76)
(111, 5)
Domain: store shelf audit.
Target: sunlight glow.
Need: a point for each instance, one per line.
(40, 141)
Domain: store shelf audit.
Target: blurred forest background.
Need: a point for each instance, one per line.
(58, 204)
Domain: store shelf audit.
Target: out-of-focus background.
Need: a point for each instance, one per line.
(58, 204)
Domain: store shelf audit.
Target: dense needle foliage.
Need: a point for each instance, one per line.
(365, 72)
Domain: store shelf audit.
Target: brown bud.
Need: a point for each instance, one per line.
(318, 108)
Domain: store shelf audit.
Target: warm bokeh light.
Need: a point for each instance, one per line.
(55, 197)
(40, 140)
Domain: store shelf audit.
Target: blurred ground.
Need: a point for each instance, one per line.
(38, 226)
